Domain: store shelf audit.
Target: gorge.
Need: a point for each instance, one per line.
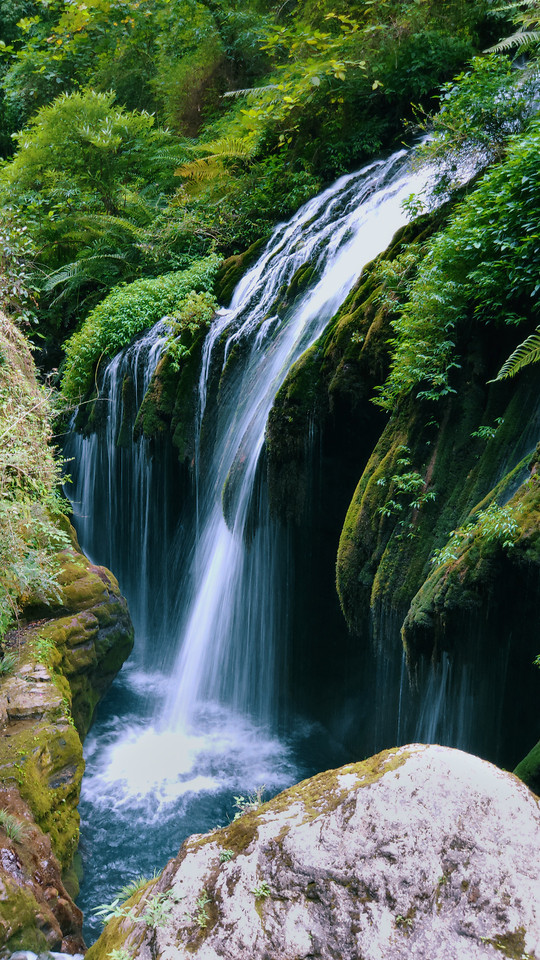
(215, 705)
(280, 371)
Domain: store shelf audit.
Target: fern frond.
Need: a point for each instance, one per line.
(205, 168)
(227, 147)
(527, 352)
(522, 38)
(251, 91)
(77, 270)
(169, 156)
(514, 5)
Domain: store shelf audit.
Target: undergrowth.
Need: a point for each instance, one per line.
(127, 311)
(30, 504)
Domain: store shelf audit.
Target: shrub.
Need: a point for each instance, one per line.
(125, 312)
(482, 266)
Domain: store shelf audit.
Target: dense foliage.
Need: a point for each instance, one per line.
(482, 269)
(127, 311)
(157, 131)
(29, 483)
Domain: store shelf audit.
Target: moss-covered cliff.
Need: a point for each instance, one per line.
(427, 470)
(65, 633)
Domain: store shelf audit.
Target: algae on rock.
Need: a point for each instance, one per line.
(396, 856)
(72, 634)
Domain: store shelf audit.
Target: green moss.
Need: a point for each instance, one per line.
(113, 937)
(170, 403)
(232, 269)
(18, 912)
(46, 764)
(478, 566)
(512, 945)
(528, 769)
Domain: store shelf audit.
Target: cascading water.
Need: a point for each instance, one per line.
(120, 504)
(194, 732)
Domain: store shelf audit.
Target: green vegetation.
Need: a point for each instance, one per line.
(200, 915)
(261, 890)
(12, 827)
(480, 268)
(127, 311)
(156, 910)
(250, 803)
(150, 133)
(494, 524)
(30, 505)
(407, 491)
(527, 352)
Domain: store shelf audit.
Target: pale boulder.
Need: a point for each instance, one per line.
(421, 852)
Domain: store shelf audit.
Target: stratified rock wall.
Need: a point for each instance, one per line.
(421, 852)
(65, 662)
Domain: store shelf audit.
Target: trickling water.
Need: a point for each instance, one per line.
(203, 723)
(121, 506)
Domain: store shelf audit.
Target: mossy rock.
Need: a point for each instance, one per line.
(333, 383)
(36, 910)
(41, 753)
(462, 468)
(232, 270)
(528, 769)
(66, 662)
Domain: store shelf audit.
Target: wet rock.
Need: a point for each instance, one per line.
(66, 660)
(36, 911)
(422, 852)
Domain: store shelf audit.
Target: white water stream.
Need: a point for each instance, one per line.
(201, 723)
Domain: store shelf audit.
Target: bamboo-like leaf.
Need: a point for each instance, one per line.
(527, 352)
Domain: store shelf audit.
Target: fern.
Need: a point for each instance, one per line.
(520, 39)
(252, 91)
(527, 19)
(205, 168)
(77, 270)
(527, 352)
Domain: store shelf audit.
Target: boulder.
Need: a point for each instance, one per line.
(420, 852)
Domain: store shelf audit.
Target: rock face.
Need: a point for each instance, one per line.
(91, 632)
(66, 660)
(35, 908)
(421, 852)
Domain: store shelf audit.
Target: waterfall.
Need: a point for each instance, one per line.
(231, 648)
(210, 595)
(120, 500)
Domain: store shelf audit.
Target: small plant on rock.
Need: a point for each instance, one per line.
(226, 855)
(261, 890)
(13, 827)
(129, 889)
(7, 664)
(250, 803)
(200, 915)
(43, 648)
